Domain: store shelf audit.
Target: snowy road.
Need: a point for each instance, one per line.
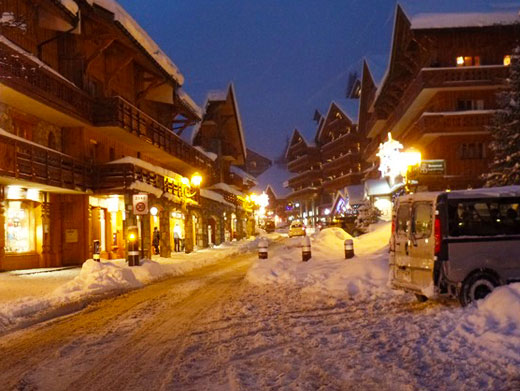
(212, 330)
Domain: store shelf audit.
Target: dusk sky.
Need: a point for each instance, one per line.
(285, 58)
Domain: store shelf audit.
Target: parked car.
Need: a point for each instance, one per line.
(460, 244)
(269, 226)
(296, 229)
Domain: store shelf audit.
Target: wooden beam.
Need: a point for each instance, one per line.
(126, 61)
(156, 83)
(100, 49)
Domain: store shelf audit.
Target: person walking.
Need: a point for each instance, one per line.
(156, 240)
(177, 237)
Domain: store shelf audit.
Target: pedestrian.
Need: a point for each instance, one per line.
(156, 239)
(177, 237)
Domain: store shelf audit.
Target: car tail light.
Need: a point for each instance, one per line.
(437, 235)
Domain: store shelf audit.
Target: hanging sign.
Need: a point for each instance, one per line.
(140, 203)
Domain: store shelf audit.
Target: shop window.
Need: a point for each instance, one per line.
(507, 60)
(467, 61)
(20, 229)
(472, 151)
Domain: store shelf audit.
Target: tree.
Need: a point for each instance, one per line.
(505, 131)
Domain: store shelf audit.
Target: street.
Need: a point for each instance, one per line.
(212, 330)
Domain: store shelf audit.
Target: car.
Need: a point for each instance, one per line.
(269, 226)
(460, 244)
(296, 229)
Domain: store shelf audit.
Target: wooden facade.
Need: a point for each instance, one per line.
(439, 95)
(89, 111)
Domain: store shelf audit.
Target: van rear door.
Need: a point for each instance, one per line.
(401, 272)
(422, 246)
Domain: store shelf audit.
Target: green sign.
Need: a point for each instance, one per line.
(432, 167)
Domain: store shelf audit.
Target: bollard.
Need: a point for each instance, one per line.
(349, 248)
(97, 250)
(306, 249)
(262, 249)
(133, 246)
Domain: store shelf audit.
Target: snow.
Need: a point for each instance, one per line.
(228, 188)
(242, 173)
(190, 103)
(328, 272)
(140, 35)
(213, 156)
(212, 195)
(70, 5)
(102, 279)
(147, 188)
(460, 20)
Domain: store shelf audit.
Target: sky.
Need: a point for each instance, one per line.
(286, 58)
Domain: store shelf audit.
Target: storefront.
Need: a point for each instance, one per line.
(107, 214)
(23, 228)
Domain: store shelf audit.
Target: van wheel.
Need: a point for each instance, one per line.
(421, 298)
(476, 287)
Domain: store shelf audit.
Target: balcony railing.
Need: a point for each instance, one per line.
(27, 161)
(339, 182)
(304, 177)
(122, 176)
(451, 77)
(303, 161)
(341, 162)
(39, 81)
(449, 123)
(116, 111)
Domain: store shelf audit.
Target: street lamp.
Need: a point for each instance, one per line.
(196, 180)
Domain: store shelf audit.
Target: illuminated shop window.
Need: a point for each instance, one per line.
(467, 61)
(507, 60)
(20, 229)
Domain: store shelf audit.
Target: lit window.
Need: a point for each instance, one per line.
(507, 60)
(467, 61)
(460, 61)
(19, 227)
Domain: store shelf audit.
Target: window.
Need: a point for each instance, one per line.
(507, 60)
(403, 216)
(422, 220)
(20, 227)
(467, 61)
(484, 217)
(470, 151)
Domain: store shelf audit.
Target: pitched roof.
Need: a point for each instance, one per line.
(461, 20)
(349, 108)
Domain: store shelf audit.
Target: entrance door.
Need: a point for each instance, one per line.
(211, 231)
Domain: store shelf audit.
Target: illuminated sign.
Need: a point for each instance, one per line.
(394, 164)
(179, 186)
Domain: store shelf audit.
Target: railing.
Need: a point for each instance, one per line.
(449, 123)
(26, 161)
(304, 176)
(341, 162)
(343, 141)
(350, 178)
(116, 111)
(122, 176)
(36, 79)
(303, 161)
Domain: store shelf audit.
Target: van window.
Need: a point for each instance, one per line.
(422, 219)
(403, 216)
(484, 217)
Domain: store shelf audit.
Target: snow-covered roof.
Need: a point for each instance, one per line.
(183, 96)
(378, 187)
(355, 194)
(211, 155)
(460, 20)
(212, 195)
(350, 108)
(147, 166)
(274, 176)
(239, 119)
(238, 171)
(70, 5)
(228, 188)
(138, 33)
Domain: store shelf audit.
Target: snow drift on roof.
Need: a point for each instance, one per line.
(457, 20)
(190, 102)
(350, 107)
(244, 175)
(137, 32)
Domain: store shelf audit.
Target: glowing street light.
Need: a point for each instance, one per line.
(196, 180)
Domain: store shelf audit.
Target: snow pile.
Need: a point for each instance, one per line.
(101, 279)
(328, 272)
(494, 322)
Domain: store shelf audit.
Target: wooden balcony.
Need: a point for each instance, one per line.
(25, 77)
(433, 125)
(303, 162)
(351, 178)
(305, 177)
(117, 177)
(427, 82)
(346, 161)
(342, 143)
(304, 193)
(119, 113)
(29, 162)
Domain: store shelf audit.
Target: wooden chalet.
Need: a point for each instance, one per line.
(89, 107)
(220, 134)
(439, 92)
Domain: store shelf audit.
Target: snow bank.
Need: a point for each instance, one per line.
(328, 272)
(101, 279)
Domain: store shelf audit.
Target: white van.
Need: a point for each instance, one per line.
(460, 244)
